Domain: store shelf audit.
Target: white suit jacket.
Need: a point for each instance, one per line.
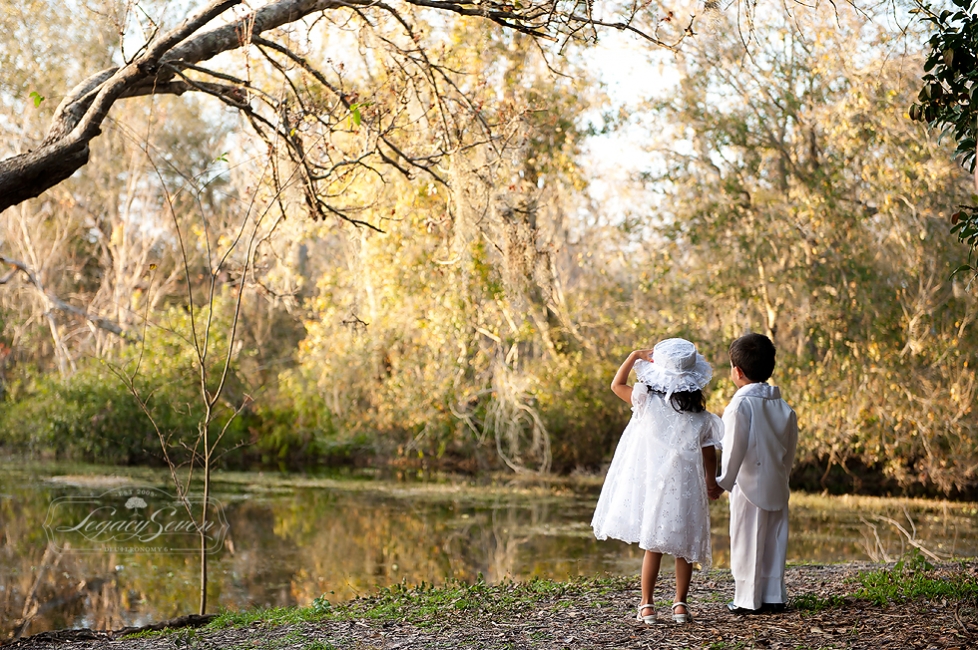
(760, 434)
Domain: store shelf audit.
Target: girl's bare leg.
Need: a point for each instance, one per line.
(684, 573)
(650, 572)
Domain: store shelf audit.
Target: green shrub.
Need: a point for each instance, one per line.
(92, 416)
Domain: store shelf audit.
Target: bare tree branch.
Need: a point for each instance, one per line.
(180, 87)
(58, 303)
(78, 118)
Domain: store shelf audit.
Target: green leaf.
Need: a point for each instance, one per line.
(961, 269)
(37, 97)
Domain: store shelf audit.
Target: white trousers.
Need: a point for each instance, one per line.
(758, 546)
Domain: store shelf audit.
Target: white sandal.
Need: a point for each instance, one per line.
(681, 618)
(648, 618)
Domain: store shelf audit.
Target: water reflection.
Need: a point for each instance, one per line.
(293, 539)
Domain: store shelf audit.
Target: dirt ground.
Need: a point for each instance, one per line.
(584, 617)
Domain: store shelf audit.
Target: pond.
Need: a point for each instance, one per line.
(292, 538)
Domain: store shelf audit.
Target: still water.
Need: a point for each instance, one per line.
(293, 538)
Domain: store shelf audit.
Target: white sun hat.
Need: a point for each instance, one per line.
(676, 366)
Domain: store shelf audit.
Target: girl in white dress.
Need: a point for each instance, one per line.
(664, 469)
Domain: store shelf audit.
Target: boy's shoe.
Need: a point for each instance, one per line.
(741, 611)
(773, 608)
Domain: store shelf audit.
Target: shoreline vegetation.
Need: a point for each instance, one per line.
(416, 477)
(359, 459)
(910, 603)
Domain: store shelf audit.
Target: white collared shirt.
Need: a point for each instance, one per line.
(760, 434)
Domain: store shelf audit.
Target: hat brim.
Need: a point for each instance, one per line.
(658, 378)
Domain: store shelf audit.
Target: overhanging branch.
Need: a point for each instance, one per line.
(78, 118)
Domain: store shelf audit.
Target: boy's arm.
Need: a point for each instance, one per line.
(791, 443)
(710, 469)
(736, 437)
(618, 385)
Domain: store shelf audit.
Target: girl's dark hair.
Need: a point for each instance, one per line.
(686, 401)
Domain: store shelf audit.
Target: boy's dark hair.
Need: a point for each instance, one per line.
(754, 355)
(687, 401)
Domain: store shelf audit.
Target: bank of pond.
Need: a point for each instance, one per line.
(283, 540)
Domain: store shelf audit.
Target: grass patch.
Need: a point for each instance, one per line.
(181, 635)
(270, 617)
(711, 598)
(914, 578)
(426, 605)
(814, 603)
(147, 634)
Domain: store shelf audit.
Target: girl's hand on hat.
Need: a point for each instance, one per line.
(619, 385)
(644, 355)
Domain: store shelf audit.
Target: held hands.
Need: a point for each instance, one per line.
(713, 490)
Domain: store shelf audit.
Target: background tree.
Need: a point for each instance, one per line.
(828, 208)
(471, 320)
(946, 100)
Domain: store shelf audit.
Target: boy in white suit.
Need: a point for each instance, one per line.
(759, 441)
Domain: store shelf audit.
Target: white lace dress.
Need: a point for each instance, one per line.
(655, 491)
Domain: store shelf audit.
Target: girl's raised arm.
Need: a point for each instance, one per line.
(618, 385)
